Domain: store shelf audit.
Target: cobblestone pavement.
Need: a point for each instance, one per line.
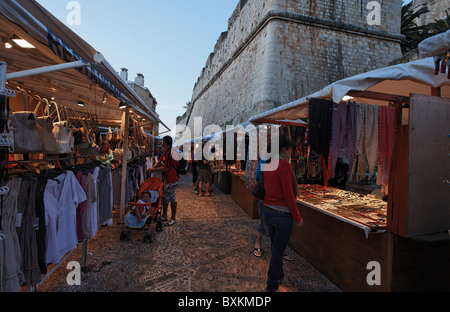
(209, 249)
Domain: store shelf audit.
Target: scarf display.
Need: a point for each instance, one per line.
(343, 133)
(386, 141)
(366, 141)
(320, 121)
(366, 131)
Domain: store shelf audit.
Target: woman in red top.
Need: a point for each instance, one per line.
(168, 166)
(280, 209)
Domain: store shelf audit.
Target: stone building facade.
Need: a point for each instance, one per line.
(277, 51)
(138, 85)
(437, 10)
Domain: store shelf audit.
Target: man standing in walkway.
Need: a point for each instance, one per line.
(168, 167)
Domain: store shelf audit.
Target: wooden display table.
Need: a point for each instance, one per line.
(243, 196)
(343, 249)
(224, 182)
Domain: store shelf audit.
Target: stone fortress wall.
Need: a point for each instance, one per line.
(277, 51)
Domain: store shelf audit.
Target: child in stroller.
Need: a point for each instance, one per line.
(145, 211)
(142, 211)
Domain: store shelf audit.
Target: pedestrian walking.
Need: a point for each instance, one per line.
(280, 210)
(168, 167)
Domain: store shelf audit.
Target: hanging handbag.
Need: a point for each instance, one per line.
(45, 129)
(109, 135)
(88, 147)
(118, 153)
(25, 127)
(259, 191)
(62, 133)
(86, 136)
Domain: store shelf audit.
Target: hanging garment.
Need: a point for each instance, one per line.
(105, 203)
(351, 132)
(371, 138)
(61, 201)
(343, 133)
(91, 194)
(320, 118)
(94, 206)
(26, 231)
(41, 237)
(367, 140)
(11, 276)
(359, 167)
(386, 141)
(117, 180)
(81, 208)
(339, 139)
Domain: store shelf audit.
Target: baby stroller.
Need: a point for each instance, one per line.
(154, 186)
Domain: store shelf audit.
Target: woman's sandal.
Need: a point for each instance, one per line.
(257, 252)
(170, 223)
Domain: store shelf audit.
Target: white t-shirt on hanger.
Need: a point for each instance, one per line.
(61, 202)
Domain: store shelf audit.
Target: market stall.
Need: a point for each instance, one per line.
(242, 168)
(345, 233)
(56, 93)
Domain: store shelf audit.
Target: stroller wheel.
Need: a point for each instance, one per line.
(128, 237)
(159, 225)
(148, 238)
(123, 236)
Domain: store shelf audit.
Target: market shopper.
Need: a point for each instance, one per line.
(280, 210)
(168, 167)
(261, 227)
(204, 176)
(105, 156)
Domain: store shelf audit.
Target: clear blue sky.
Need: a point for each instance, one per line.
(167, 41)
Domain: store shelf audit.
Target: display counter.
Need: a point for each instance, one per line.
(222, 180)
(345, 234)
(362, 211)
(242, 195)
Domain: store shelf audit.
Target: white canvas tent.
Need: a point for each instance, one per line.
(436, 45)
(397, 81)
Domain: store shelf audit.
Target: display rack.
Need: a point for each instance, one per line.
(3, 90)
(6, 139)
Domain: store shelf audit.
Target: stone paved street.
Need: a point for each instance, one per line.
(210, 249)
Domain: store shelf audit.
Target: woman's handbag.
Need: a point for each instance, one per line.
(118, 153)
(25, 127)
(259, 191)
(45, 129)
(87, 139)
(62, 133)
(26, 138)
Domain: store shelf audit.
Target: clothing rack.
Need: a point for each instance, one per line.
(3, 90)
(46, 160)
(84, 243)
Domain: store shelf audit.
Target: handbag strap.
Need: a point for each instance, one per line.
(44, 109)
(57, 109)
(26, 104)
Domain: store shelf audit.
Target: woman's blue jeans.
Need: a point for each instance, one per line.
(280, 228)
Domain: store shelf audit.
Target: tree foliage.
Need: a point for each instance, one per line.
(415, 34)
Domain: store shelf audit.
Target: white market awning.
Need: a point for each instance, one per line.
(436, 45)
(398, 80)
(99, 86)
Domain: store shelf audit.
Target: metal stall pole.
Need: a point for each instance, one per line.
(153, 139)
(123, 186)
